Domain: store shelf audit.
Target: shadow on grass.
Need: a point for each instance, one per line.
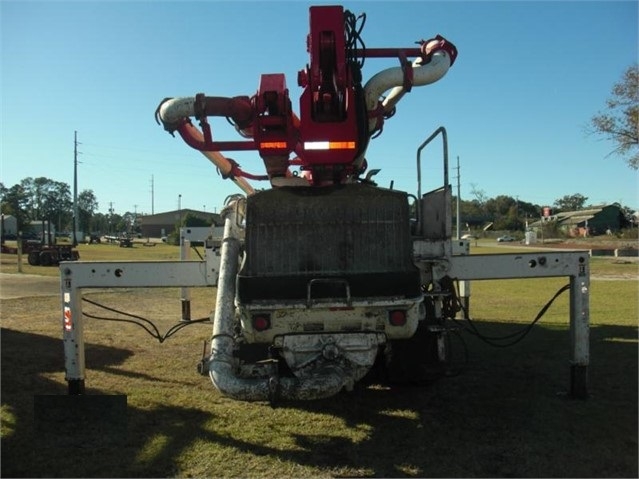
(26, 360)
(506, 415)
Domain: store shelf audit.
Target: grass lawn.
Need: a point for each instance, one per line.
(506, 414)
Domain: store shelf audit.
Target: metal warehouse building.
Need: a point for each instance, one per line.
(160, 224)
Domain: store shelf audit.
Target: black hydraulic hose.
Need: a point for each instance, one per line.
(518, 335)
(145, 324)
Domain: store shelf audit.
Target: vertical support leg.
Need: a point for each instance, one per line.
(579, 330)
(464, 296)
(73, 335)
(185, 293)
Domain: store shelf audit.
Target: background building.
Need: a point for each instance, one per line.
(8, 227)
(162, 224)
(596, 220)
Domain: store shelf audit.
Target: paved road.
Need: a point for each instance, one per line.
(27, 285)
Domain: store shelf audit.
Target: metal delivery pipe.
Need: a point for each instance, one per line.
(394, 78)
(223, 366)
(174, 112)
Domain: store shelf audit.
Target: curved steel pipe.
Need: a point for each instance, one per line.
(223, 366)
(174, 114)
(173, 111)
(394, 78)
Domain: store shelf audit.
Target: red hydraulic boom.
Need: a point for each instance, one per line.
(326, 280)
(338, 114)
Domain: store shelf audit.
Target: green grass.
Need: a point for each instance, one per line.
(99, 252)
(610, 266)
(506, 414)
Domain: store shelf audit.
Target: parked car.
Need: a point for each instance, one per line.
(505, 239)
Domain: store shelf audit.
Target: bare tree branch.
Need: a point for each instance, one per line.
(620, 122)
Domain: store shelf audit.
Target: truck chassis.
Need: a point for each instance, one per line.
(325, 343)
(325, 278)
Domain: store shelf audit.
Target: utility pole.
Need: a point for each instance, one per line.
(464, 286)
(458, 224)
(110, 217)
(152, 208)
(75, 188)
(135, 218)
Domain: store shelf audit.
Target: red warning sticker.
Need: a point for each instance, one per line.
(68, 323)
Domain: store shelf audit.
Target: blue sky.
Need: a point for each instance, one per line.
(528, 78)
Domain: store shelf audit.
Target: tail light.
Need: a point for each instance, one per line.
(397, 317)
(261, 322)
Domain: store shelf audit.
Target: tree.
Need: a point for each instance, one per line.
(472, 213)
(100, 223)
(505, 213)
(570, 202)
(13, 201)
(38, 199)
(87, 205)
(193, 220)
(46, 199)
(528, 210)
(56, 200)
(130, 223)
(480, 195)
(620, 121)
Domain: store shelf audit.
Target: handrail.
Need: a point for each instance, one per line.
(439, 130)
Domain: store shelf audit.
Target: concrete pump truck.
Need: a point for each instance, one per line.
(325, 279)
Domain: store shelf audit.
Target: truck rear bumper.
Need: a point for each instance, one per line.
(355, 315)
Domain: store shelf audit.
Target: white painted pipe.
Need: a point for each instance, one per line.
(175, 109)
(398, 92)
(223, 363)
(394, 78)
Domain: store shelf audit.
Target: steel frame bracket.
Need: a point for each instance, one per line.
(573, 264)
(76, 276)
